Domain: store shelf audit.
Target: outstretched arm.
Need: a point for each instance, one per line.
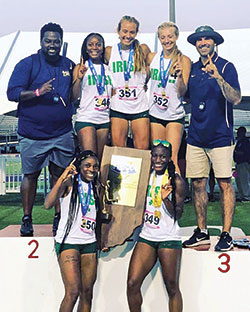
(64, 181)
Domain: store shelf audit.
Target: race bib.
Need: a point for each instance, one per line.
(160, 100)
(88, 225)
(102, 102)
(127, 93)
(152, 219)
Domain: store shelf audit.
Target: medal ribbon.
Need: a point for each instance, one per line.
(164, 74)
(84, 202)
(129, 63)
(99, 84)
(156, 197)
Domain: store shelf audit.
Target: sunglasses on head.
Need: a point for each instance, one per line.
(162, 142)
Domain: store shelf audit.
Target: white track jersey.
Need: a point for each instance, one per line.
(158, 224)
(91, 108)
(83, 227)
(168, 106)
(133, 100)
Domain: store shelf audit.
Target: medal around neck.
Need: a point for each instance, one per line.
(126, 72)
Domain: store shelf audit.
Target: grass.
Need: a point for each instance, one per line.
(11, 212)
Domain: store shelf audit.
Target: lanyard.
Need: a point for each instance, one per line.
(99, 84)
(164, 73)
(129, 64)
(84, 202)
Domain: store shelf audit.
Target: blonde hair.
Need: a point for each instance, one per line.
(139, 57)
(176, 51)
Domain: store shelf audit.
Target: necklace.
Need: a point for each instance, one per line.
(156, 193)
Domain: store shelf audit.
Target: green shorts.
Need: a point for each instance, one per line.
(128, 116)
(82, 248)
(165, 122)
(173, 244)
(79, 125)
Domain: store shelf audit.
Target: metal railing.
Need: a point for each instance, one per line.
(11, 175)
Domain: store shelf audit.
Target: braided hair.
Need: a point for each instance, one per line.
(171, 173)
(74, 205)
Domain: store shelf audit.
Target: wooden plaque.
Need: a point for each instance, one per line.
(124, 173)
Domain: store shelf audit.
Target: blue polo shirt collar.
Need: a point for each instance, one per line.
(214, 59)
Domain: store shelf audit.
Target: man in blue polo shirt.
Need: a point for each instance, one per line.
(213, 90)
(41, 83)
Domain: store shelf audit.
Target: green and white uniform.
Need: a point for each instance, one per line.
(83, 228)
(158, 224)
(133, 100)
(168, 106)
(91, 108)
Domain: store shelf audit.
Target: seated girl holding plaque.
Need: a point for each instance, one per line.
(170, 71)
(76, 244)
(159, 237)
(92, 84)
(127, 61)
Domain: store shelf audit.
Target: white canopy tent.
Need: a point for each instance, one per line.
(235, 48)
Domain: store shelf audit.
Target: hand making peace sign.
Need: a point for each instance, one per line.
(211, 69)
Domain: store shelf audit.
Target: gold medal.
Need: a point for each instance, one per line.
(163, 94)
(157, 214)
(126, 87)
(99, 101)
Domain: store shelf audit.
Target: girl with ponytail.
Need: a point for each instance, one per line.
(127, 61)
(169, 71)
(159, 237)
(76, 244)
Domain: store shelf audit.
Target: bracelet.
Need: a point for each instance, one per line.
(37, 92)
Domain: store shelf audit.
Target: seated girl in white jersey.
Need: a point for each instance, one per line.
(76, 245)
(159, 237)
(127, 61)
(92, 85)
(169, 71)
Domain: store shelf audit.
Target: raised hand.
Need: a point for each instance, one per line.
(166, 190)
(178, 66)
(46, 87)
(82, 69)
(211, 69)
(69, 172)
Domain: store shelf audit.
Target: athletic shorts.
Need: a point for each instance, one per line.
(199, 161)
(82, 248)
(166, 122)
(172, 244)
(37, 154)
(128, 116)
(79, 125)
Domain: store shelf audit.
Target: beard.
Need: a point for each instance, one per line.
(51, 58)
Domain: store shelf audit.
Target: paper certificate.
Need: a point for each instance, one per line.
(124, 176)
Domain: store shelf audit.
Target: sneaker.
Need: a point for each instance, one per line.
(56, 220)
(187, 199)
(225, 243)
(245, 200)
(198, 238)
(211, 197)
(26, 227)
